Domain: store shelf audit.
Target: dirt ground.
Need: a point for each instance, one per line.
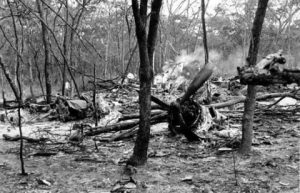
(174, 165)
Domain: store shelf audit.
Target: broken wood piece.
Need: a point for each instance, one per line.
(123, 126)
(125, 134)
(259, 98)
(164, 105)
(286, 76)
(271, 60)
(269, 71)
(43, 154)
(134, 130)
(28, 139)
(88, 159)
(137, 115)
(110, 128)
(33, 108)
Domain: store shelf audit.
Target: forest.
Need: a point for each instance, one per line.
(149, 96)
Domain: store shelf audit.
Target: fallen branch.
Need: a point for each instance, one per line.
(269, 71)
(163, 105)
(259, 98)
(134, 130)
(286, 76)
(123, 126)
(137, 115)
(125, 134)
(28, 139)
(43, 154)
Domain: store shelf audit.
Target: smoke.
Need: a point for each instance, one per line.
(185, 67)
(228, 66)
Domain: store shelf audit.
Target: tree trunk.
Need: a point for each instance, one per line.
(247, 122)
(46, 49)
(17, 65)
(65, 48)
(146, 49)
(38, 73)
(9, 79)
(107, 49)
(204, 31)
(31, 78)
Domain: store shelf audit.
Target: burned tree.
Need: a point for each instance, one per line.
(146, 43)
(251, 90)
(45, 37)
(270, 70)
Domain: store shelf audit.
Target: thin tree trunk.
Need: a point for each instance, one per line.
(72, 64)
(46, 50)
(19, 97)
(82, 67)
(122, 48)
(94, 97)
(204, 32)
(146, 49)
(128, 63)
(75, 24)
(16, 92)
(247, 122)
(65, 48)
(39, 74)
(31, 78)
(17, 65)
(9, 79)
(107, 50)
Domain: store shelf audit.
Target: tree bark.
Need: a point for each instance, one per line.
(247, 122)
(65, 48)
(204, 31)
(46, 50)
(146, 48)
(286, 76)
(74, 26)
(38, 72)
(31, 78)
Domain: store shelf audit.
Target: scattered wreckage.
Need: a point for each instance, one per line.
(188, 114)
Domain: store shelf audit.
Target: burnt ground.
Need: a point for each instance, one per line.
(174, 165)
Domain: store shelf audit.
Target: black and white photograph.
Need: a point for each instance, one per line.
(149, 96)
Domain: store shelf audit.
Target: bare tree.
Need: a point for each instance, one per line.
(146, 44)
(45, 37)
(249, 106)
(65, 48)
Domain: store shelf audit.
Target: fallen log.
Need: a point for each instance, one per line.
(28, 139)
(43, 154)
(125, 134)
(123, 126)
(137, 115)
(116, 127)
(259, 98)
(163, 105)
(269, 71)
(286, 76)
(134, 130)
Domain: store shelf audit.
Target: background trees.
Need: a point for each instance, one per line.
(82, 33)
